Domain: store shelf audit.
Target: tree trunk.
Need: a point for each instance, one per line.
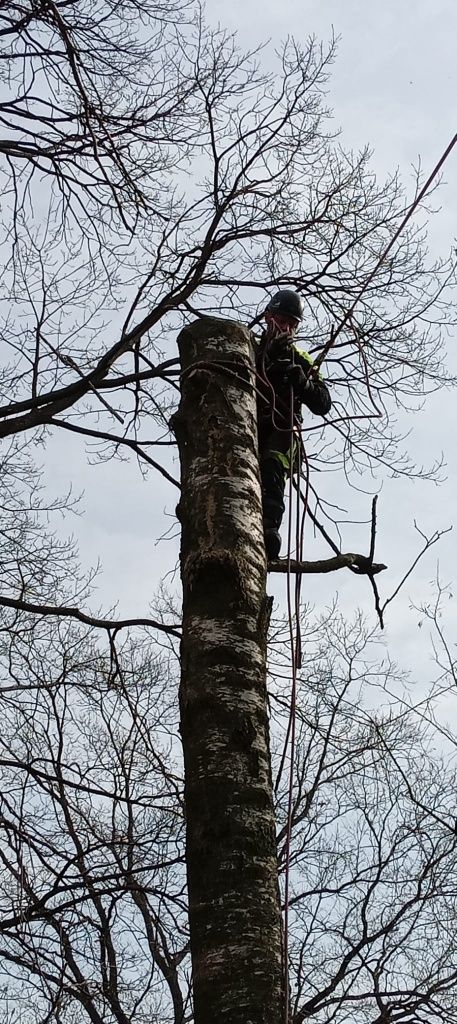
(234, 908)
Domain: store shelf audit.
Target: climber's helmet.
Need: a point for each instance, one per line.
(284, 312)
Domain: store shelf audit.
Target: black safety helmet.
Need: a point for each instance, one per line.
(286, 302)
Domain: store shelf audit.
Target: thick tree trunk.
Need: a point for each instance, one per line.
(234, 909)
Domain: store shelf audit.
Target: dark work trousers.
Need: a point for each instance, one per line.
(274, 461)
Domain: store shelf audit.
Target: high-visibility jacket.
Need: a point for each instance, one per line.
(273, 360)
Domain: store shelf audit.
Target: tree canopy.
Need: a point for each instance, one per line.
(152, 174)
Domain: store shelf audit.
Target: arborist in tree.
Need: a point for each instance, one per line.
(286, 379)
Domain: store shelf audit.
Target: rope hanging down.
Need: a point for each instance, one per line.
(295, 637)
(296, 657)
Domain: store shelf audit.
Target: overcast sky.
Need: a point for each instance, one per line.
(393, 86)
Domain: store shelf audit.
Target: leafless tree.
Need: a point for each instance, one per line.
(172, 176)
(154, 175)
(374, 841)
(92, 883)
(92, 891)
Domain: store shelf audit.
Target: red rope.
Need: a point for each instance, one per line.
(296, 659)
(295, 639)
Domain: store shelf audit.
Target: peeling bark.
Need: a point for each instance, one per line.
(234, 909)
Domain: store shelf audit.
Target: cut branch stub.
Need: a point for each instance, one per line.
(234, 908)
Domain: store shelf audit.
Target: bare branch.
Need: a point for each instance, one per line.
(112, 625)
(361, 563)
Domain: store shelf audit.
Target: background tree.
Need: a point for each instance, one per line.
(93, 901)
(101, 226)
(152, 174)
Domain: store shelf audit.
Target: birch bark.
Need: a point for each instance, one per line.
(234, 907)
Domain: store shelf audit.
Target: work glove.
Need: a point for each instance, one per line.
(279, 348)
(296, 377)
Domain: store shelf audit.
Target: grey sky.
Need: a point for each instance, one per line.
(393, 86)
